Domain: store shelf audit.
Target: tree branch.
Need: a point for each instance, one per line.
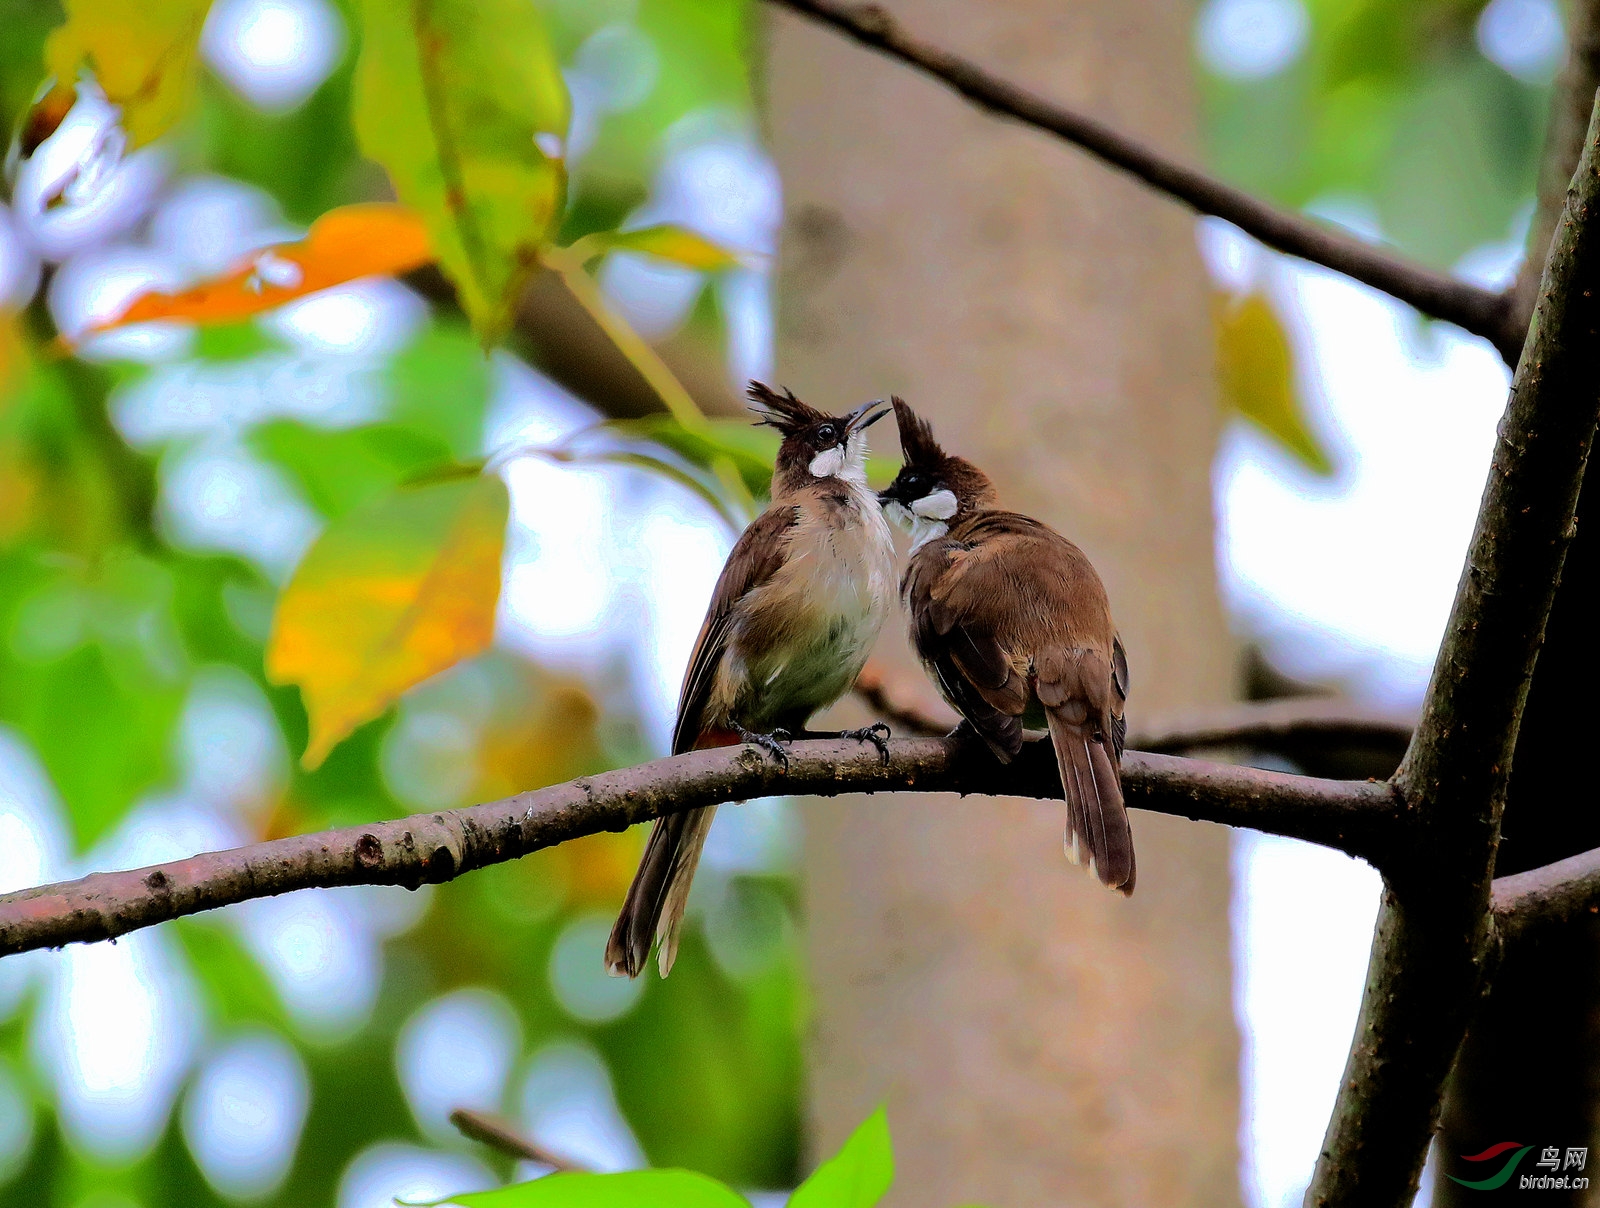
(1355, 816)
(1570, 103)
(1434, 936)
(1544, 897)
(497, 1134)
(1479, 311)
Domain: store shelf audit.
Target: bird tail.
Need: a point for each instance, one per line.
(1097, 820)
(654, 906)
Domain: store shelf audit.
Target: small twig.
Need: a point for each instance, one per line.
(1275, 726)
(497, 1134)
(1479, 311)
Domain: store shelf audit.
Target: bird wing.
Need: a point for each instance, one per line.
(756, 557)
(1005, 610)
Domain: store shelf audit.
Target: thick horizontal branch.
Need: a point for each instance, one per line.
(1479, 311)
(1356, 816)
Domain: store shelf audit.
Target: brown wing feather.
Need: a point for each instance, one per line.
(1006, 611)
(756, 557)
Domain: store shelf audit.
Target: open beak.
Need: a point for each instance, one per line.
(859, 420)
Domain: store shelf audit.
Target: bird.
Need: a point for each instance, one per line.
(800, 602)
(1014, 626)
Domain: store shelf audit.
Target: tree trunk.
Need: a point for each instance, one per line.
(1038, 1040)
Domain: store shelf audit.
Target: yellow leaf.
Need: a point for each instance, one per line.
(389, 595)
(344, 244)
(463, 103)
(1255, 370)
(142, 52)
(674, 243)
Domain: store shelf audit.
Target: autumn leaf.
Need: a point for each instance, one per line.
(344, 244)
(142, 52)
(463, 103)
(1255, 370)
(390, 594)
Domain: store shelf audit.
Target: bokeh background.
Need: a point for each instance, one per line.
(157, 489)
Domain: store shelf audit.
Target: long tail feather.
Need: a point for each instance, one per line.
(654, 906)
(1097, 821)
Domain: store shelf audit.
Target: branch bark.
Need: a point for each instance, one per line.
(1479, 311)
(1570, 102)
(1356, 816)
(1433, 940)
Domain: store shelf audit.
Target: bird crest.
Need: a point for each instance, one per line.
(781, 411)
(917, 445)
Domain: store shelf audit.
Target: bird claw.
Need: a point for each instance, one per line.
(877, 734)
(771, 743)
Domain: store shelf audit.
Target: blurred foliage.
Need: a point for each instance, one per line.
(463, 103)
(109, 623)
(1390, 105)
(1390, 116)
(1255, 371)
(855, 1177)
(144, 56)
(393, 592)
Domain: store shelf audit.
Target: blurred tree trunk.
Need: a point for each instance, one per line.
(1038, 1040)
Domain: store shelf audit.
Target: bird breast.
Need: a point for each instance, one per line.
(806, 632)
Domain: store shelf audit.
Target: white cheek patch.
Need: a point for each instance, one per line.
(828, 463)
(899, 513)
(941, 505)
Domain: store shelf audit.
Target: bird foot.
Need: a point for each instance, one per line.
(877, 734)
(772, 743)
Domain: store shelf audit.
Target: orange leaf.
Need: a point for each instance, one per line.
(394, 592)
(369, 240)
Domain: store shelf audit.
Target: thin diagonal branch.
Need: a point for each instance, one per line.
(1479, 311)
(1434, 938)
(1570, 102)
(497, 1134)
(1356, 816)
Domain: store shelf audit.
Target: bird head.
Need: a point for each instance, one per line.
(932, 488)
(815, 444)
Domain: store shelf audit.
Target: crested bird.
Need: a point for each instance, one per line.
(1014, 627)
(795, 611)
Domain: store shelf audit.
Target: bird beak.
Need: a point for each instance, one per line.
(859, 421)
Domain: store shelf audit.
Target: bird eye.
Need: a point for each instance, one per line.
(826, 434)
(913, 480)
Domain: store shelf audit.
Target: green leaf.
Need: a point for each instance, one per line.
(396, 591)
(674, 243)
(632, 1189)
(340, 471)
(440, 384)
(858, 1175)
(454, 98)
(1255, 371)
(142, 54)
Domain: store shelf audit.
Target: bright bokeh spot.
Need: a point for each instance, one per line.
(568, 1107)
(457, 1051)
(1524, 37)
(383, 1174)
(1251, 39)
(578, 973)
(274, 53)
(243, 1115)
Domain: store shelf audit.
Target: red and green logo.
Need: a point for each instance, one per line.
(1500, 1177)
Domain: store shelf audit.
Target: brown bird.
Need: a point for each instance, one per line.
(799, 604)
(1013, 625)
